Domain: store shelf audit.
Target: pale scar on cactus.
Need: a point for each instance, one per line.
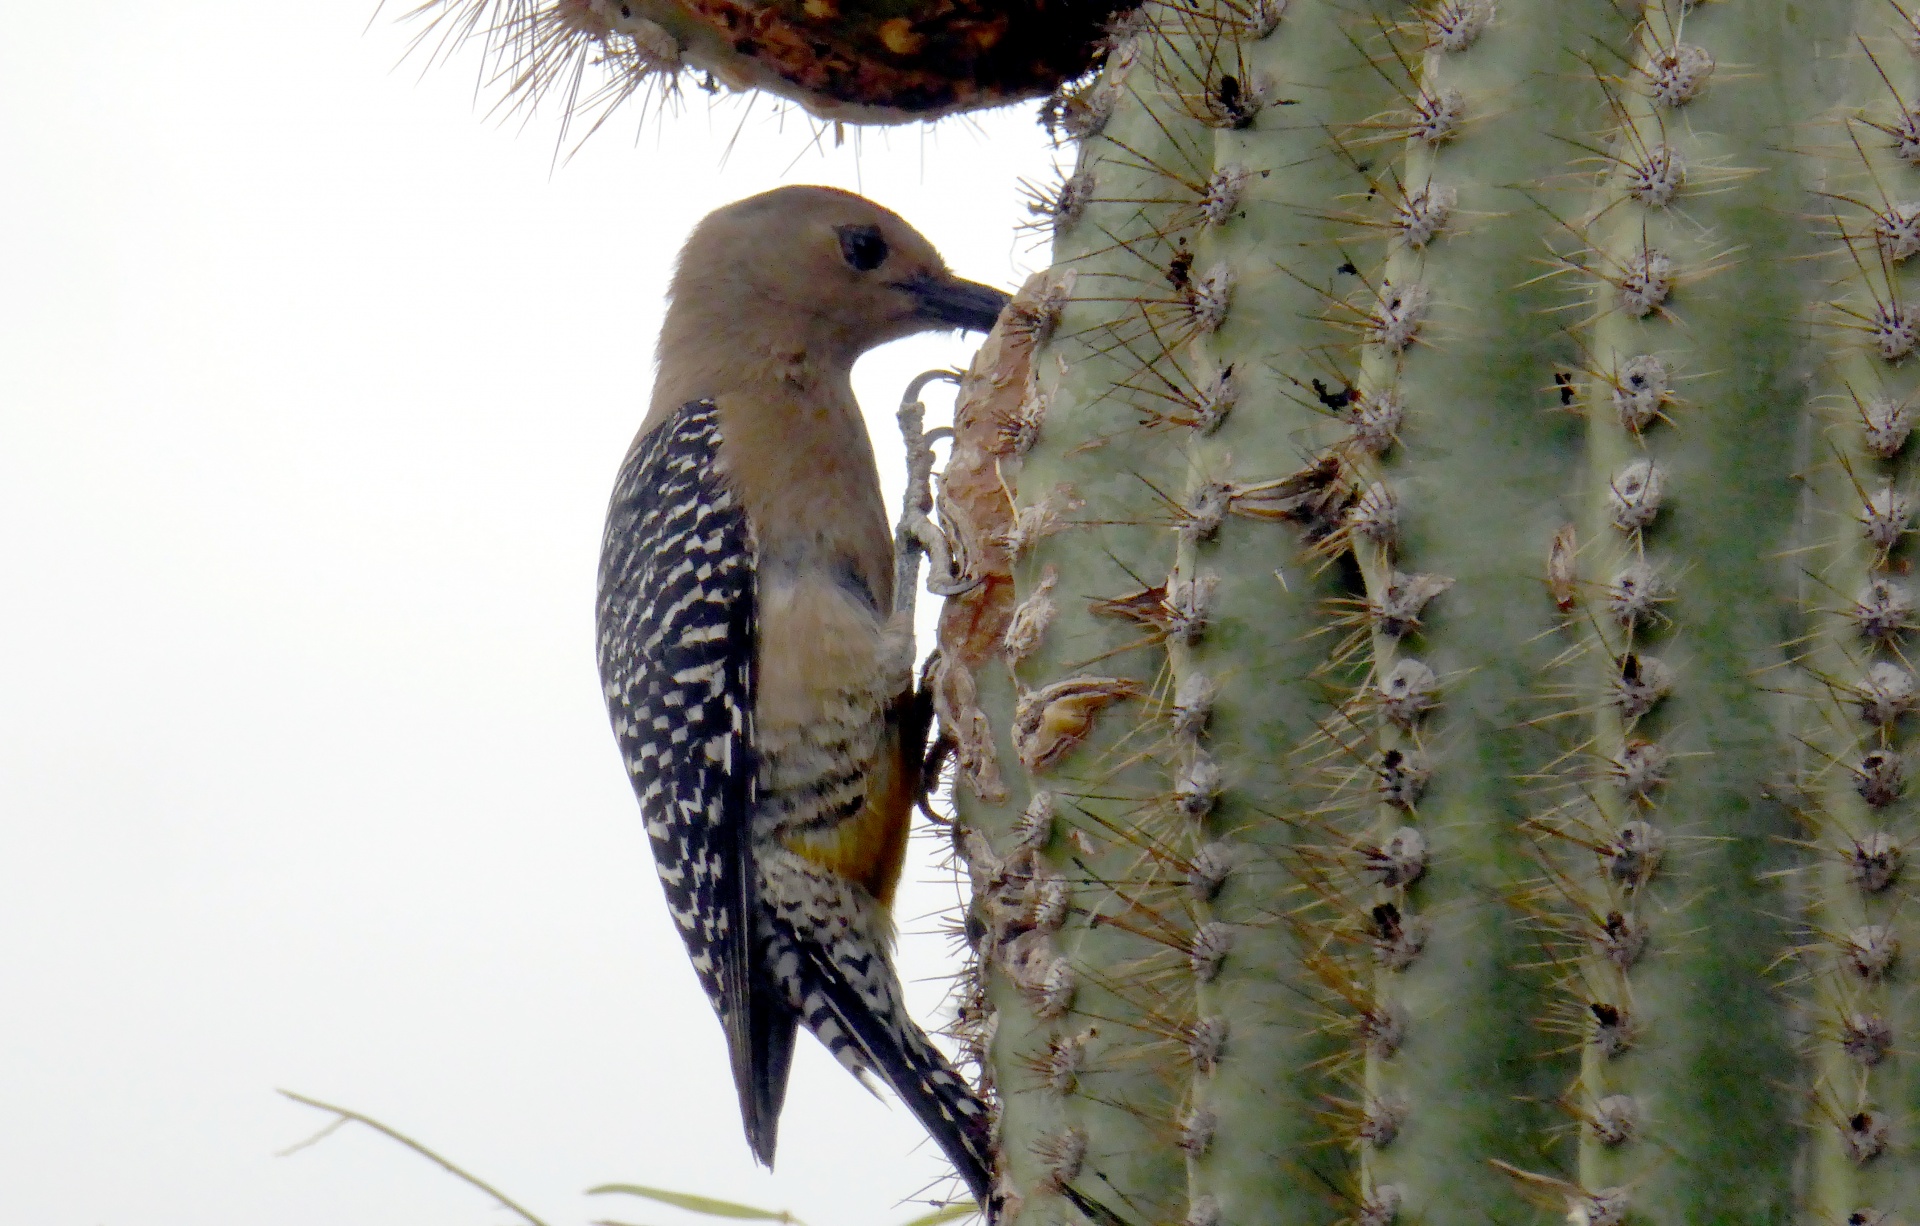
(1433, 728)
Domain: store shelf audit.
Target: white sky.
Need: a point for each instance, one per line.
(312, 385)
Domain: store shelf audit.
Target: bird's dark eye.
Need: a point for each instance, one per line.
(862, 247)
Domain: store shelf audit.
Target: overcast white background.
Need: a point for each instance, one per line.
(312, 385)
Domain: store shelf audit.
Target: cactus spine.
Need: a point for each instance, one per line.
(1432, 732)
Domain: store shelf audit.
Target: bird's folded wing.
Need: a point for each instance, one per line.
(676, 634)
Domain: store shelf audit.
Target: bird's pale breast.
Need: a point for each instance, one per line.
(833, 787)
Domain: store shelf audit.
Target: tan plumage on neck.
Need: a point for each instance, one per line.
(773, 300)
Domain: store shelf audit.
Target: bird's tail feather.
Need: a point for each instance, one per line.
(761, 1078)
(902, 1056)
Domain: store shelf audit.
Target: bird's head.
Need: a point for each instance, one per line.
(823, 269)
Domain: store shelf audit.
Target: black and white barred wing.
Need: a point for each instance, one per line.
(676, 629)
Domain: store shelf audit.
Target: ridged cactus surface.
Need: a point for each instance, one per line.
(1432, 735)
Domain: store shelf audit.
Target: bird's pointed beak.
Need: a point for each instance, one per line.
(956, 303)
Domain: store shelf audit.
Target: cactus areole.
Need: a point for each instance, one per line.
(1431, 733)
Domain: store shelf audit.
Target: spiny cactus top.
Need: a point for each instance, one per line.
(863, 61)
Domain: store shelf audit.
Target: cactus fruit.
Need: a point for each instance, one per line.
(866, 61)
(1431, 729)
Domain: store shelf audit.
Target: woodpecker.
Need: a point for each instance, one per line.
(759, 681)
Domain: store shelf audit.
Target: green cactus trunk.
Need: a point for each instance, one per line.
(1431, 733)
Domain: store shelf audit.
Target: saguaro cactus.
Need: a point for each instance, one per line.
(1432, 733)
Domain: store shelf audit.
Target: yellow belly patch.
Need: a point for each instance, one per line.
(868, 848)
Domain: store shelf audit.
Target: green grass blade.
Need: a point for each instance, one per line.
(708, 1205)
(952, 1213)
